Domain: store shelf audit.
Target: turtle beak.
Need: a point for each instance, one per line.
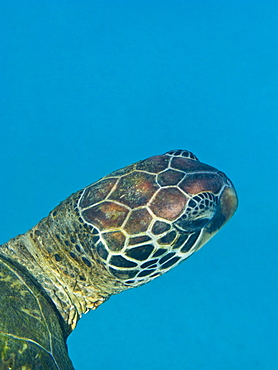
(228, 202)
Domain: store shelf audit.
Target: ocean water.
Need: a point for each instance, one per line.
(88, 87)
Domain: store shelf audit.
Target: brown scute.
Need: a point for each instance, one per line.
(97, 192)
(146, 272)
(160, 227)
(122, 171)
(154, 164)
(120, 261)
(115, 240)
(169, 203)
(170, 263)
(168, 238)
(139, 239)
(180, 240)
(167, 257)
(149, 263)
(190, 242)
(169, 177)
(185, 164)
(200, 182)
(106, 215)
(140, 253)
(160, 252)
(135, 189)
(138, 221)
(102, 251)
(123, 274)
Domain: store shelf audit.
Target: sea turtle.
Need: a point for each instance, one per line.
(118, 233)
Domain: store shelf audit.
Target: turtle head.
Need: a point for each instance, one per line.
(148, 217)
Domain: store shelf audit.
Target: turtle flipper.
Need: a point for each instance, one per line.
(31, 333)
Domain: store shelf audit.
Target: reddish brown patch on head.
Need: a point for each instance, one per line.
(138, 221)
(106, 215)
(154, 164)
(115, 240)
(185, 164)
(200, 182)
(135, 189)
(169, 177)
(139, 239)
(169, 203)
(96, 192)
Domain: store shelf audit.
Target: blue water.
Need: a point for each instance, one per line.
(87, 87)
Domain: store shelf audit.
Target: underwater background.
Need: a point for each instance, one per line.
(87, 87)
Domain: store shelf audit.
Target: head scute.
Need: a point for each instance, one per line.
(150, 216)
(182, 153)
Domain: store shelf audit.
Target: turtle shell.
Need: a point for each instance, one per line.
(32, 333)
(148, 217)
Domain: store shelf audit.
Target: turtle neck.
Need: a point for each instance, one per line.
(58, 254)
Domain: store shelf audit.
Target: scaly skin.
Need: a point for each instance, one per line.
(44, 251)
(121, 232)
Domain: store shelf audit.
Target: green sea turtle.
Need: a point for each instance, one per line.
(118, 233)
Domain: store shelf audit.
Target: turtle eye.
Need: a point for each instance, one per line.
(198, 213)
(182, 153)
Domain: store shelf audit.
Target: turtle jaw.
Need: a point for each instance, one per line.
(228, 203)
